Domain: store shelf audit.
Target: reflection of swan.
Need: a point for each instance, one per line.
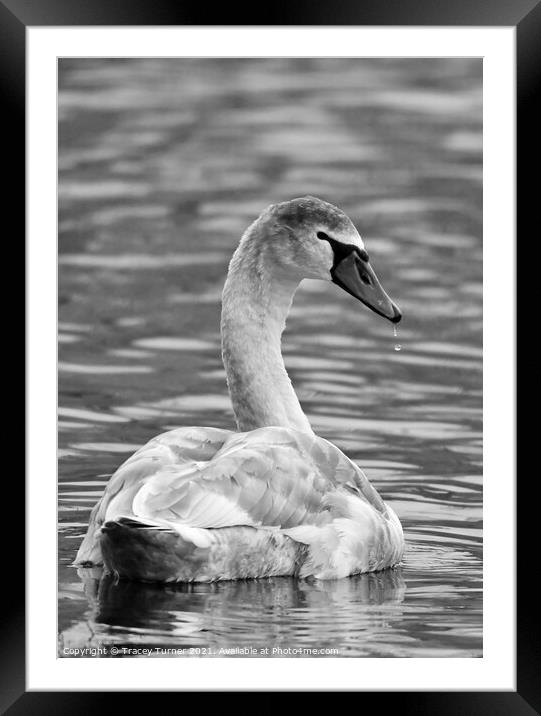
(219, 611)
(203, 504)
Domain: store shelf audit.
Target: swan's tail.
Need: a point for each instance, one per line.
(149, 552)
(141, 551)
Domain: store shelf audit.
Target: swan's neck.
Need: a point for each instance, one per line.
(255, 304)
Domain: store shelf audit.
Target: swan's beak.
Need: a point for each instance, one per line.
(357, 277)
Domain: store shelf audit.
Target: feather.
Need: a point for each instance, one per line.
(196, 482)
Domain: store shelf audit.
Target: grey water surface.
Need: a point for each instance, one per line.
(162, 165)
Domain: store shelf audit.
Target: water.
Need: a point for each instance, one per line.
(162, 165)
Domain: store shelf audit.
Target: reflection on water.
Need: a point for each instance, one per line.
(162, 165)
(228, 615)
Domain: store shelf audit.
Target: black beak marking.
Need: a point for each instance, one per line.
(376, 297)
(340, 251)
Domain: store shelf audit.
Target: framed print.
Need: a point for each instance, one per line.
(370, 155)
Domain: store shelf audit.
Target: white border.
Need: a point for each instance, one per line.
(496, 669)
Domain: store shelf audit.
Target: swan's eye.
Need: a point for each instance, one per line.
(323, 236)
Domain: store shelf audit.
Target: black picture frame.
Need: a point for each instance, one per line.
(525, 16)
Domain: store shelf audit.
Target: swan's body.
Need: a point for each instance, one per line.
(203, 504)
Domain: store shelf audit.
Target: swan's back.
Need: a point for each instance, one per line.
(198, 504)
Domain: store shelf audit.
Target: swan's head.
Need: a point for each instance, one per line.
(314, 239)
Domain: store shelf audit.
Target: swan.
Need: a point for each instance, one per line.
(200, 504)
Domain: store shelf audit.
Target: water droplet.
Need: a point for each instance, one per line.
(397, 346)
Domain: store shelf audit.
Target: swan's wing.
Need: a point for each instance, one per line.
(270, 477)
(349, 475)
(174, 448)
(184, 445)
